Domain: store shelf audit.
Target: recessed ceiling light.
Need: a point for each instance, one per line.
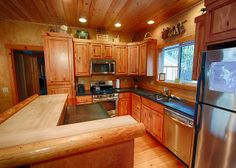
(150, 22)
(118, 24)
(82, 20)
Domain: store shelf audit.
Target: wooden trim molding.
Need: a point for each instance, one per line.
(10, 112)
(9, 53)
(184, 86)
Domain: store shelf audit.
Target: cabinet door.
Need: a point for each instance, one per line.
(61, 90)
(59, 60)
(221, 19)
(133, 60)
(121, 57)
(81, 54)
(143, 59)
(145, 116)
(156, 124)
(124, 106)
(136, 107)
(107, 51)
(96, 50)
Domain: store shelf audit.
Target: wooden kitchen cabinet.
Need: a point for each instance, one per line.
(152, 118)
(121, 57)
(98, 50)
(61, 89)
(58, 54)
(136, 107)
(147, 57)
(133, 59)
(221, 25)
(200, 45)
(124, 104)
(58, 60)
(81, 59)
(87, 99)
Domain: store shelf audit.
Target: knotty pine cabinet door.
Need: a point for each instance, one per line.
(133, 59)
(81, 59)
(136, 107)
(153, 121)
(59, 60)
(121, 57)
(124, 106)
(221, 25)
(143, 59)
(98, 50)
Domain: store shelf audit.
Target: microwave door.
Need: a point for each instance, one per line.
(220, 79)
(100, 68)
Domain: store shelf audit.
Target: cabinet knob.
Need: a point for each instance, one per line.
(227, 23)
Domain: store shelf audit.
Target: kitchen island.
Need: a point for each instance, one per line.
(33, 136)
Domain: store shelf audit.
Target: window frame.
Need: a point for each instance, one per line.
(179, 46)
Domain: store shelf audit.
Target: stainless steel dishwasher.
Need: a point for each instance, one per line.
(179, 135)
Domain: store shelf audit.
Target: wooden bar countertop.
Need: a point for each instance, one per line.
(33, 135)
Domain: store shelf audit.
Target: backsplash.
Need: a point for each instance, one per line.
(125, 81)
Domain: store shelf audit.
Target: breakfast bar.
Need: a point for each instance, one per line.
(34, 137)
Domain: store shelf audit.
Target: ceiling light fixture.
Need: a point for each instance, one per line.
(118, 24)
(82, 20)
(150, 22)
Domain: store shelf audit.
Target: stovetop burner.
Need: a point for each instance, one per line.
(102, 87)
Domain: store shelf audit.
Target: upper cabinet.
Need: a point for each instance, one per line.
(147, 57)
(58, 60)
(121, 57)
(58, 52)
(98, 50)
(221, 18)
(133, 59)
(81, 59)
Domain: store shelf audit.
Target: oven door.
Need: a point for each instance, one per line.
(109, 106)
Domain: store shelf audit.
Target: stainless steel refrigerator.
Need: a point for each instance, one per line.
(215, 145)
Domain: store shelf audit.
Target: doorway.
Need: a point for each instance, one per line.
(29, 73)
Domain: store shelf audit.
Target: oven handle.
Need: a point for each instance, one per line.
(178, 121)
(102, 100)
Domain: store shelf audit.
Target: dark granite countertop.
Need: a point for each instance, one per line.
(183, 107)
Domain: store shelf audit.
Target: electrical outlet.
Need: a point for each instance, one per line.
(5, 90)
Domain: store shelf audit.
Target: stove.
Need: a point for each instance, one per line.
(103, 94)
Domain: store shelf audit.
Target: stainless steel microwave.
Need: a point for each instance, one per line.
(103, 66)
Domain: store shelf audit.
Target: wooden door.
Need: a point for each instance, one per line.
(107, 51)
(221, 21)
(133, 59)
(156, 124)
(136, 107)
(145, 116)
(121, 57)
(59, 60)
(123, 106)
(81, 57)
(143, 59)
(96, 50)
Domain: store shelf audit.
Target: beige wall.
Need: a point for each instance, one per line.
(25, 33)
(151, 83)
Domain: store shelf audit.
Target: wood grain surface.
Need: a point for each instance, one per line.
(10, 112)
(43, 112)
(55, 148)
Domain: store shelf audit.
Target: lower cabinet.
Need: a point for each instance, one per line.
(152, 118)
(136, 107)
(61, 89)
(124, 104)
(83, 99)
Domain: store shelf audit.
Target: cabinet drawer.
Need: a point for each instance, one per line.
(83, 99)
(153, 105)
(124, 95)
(61, 89)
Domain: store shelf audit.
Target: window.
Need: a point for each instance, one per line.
(177, 61)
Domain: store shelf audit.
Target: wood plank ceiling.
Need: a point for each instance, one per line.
(133, 14)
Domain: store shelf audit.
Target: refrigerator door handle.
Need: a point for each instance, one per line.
(199, 118)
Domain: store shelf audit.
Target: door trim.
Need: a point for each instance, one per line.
(9, 52)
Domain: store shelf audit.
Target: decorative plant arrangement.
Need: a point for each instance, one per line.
(174, 30)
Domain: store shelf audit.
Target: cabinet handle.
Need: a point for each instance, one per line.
(227, 23)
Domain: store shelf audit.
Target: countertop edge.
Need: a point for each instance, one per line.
(54, 148)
